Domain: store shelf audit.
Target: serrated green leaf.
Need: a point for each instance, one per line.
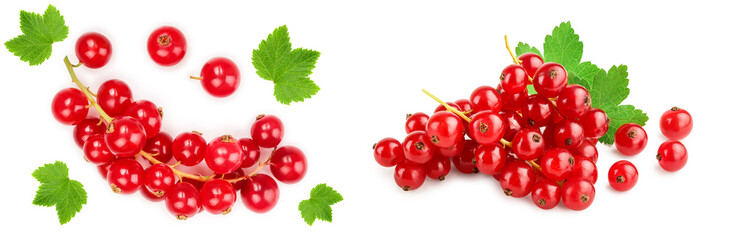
(39, 34)
(611, 88)
(522, 48)
(563, 46)
(620, 115)
(583, 74)
(318, 206)
(69, 203)
(325, 194)
(51, 172)
(57, 189)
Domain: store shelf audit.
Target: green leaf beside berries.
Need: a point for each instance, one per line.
(288, 68)
(608, 89)
(318, 206)
(58, 190)
(39, 34)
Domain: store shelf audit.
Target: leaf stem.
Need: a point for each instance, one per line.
(459, 113)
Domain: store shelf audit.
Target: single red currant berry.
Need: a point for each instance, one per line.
(465, 105)
(288, 164)
(452, 151)
(104, 168)
(147, 114)
(237, 174)
(87, 128)
(114, 97)
(578, 194)
(517, 179)
(550, 79)
(160, 146)
(490, 158)
(514, 78)
(260, 193)
(159, 178)
(568, 134)
(166, 46)
(217, 196)
(513, 122)
(574, 102)
(465, 161)
(512, 101)
(267, 131)
(630, 139)
(486, 127)
(595, 123)
(149, 195)
(528, 144)
(587, 150)
(188, 148)
(223, 155)
(409, 175)
(486, 98)
(676, 123)
(96, 151)
(69, 106)
(417, 147)
(623, 175)
(546, 194)
(441, 108)
(438, 167)
(531, 62)
(388, 152)
(125, 136)
(125, 176)
(672, 155)
(251, 152)
(93, 50)
(444, 129)
(415, 122)
(220, 77)
(183, 201)
(585, 169)
(537, 111)
(557, 164)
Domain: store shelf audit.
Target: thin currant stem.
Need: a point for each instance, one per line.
(516, 61)
(85, 90)
(535, 165)
(195, 78)
(255, 171)
(459, 113)
(77, 64)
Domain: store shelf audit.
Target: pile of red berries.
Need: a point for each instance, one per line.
(127, 137)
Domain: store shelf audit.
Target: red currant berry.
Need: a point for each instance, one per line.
(114, 97)
(441, 108)
(223, 155)
(267, 131)
(220, 77)
(517, 179)
(444, 129)
(87, 128)
(69, 106)
(409, 175)
(183, 201)
(251, 152)
(217, 196)
(578, 194)
(587, 150)
(486, 127)
(550, 79)
(546, 194)
(188, 148)
(584, 168)
(557, 164)
(595, 123)
(537, 111)
(452, 151)
(490, 158)
(630, 139)
(574, 102)
(465, 162)
(96, 151)
(288, 164)
(159, 178)
(512, 101)
(486, 98)
(388, 152)
(528, 144)
(438, 167)
(166, 46)
(125, 136)
(93, 50)
(568, 134)
(676, 123)
(531, 62)
(513, 122)
(125, 176)
(160, 146)
(417, 147)
(622, 175)
(147, 114)
(672, 155)
(149, 195)
(104, 168)
(465, 105)
(237, 174)
(514, 79)
(415, 122)
(260, 193)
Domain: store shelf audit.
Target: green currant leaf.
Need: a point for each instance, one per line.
(57, 189)
(563, 46)
(620, 115)
(318, 206)
(522, 48)
(39, 34)
(611, 88)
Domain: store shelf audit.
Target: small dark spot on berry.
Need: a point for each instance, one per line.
(608, 121)
(571, 160)
(531, 122)
(164, 40)
(553, 73)
(434, 139)
(110, 128)
(407, 116)
(536, 138)
(588, 101)
(502, 77)
(482, 127)
(419, 145)
(508, 192)
(473, 160)
(620, 179)
(658, 156)
(541, 202)
(260, 116)
(568, 141)
(374, 146)
(584, 198)
(474, 170)
(405, 188)
(675, 109)
(632, 134)
(441, 178)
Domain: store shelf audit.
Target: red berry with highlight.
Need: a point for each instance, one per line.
(93, 50)
(220, 77)
(159, 178)
(486, 98)
(595, 123)
(418, 148)
(223, 155)
(568, 134)
(676, 123)
(585, 169)
(490, 158)
(409, 175)
(438, 167)
(546, 194)
(188, 148)
(486, 127)
(288, 164)
(183, 201)
(251, 152)
(69, 106)
(166, 46)
(125, 176)
(465, 162)
(415, 122)
(114, 97)
(531, 62)
(217, 196)
(96, 151)
(672, 155)
(388, 152)
(87, 128)
(557, 164)
(125, 136)
(550, 79)
(147, 114)
(517, 179)
(623, 175)
(444, 129)
(267, 131)
(260, 193)
(514, 78)
(630, 139)
(578, 194)
(574, 102)
(528, 144)
(537, 111)
(160, 146)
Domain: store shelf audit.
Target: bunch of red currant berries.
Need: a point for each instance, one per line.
(132, 153)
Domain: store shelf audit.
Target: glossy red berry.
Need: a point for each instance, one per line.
(417, 147)
(158, 179)
(104, 168)
(490, 158)
(149, 195)
(69, 106)
(260, 193)
(672, 155)
(217, 196)
(486, 98)
(568, 134)
(528, 144)
(452, 151)
(251, 152)
(183, 200)
(585, 169)
(237, 174)
(223, 155)
(486, 127)
(622, 175)
(574, 102)
(587, 150)
(388, 152)
(267, 131)
(288, 164)
(409, 175)
(578, 194)
(546, 194)
(87, 128)
(465, 162)
(114, 97)
(517, 179)
(595, 123)
(513, 122)
(160, 146)
(514, 79)
(630, 139)
(166, 46)
(557, 164)
(438, 167)
(531, 62)
(220, 77)
(465, 105)
(512, 101)
(444, 129)
(147, 114)
(125, 176)
(537, 111)
(188, 148)
(415, 122)
(550, 79)
(93, 49)
(125, 136)
(96, 151)
(676, 123)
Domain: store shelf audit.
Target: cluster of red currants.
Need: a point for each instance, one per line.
(541, 144)
(126, 138)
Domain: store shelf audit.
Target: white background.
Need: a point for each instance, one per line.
(376, 56)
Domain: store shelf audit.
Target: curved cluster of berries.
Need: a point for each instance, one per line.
(132, 153)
